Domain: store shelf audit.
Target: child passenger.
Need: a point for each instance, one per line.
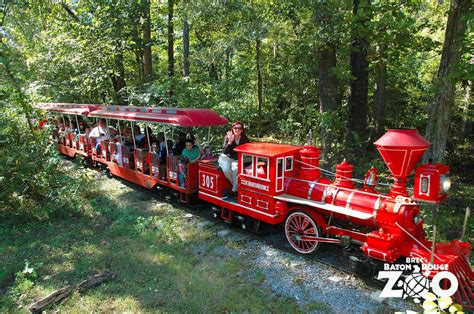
(182, 171)
(191, 151)
(207, 154)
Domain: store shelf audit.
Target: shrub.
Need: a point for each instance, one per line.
(32, 182)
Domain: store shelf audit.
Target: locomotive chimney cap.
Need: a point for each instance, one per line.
(310, 149)
(401, 150)
(344, 166)
(402, 138)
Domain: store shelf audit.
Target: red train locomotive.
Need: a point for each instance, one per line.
(282, 184)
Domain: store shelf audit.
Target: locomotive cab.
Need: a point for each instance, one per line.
(264, 169)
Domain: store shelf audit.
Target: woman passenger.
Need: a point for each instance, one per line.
(228, 159)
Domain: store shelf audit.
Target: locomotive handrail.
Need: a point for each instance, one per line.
(328, 171)
(329, 207)
(347, 178)
(342, 188)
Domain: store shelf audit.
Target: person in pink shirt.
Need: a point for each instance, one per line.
(207, 154)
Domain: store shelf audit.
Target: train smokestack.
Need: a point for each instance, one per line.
(401, 150)
(310, 163)
(344, 175)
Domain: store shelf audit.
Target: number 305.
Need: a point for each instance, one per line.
(207, 181)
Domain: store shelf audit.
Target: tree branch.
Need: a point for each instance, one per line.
(4, 13)
(71, 13)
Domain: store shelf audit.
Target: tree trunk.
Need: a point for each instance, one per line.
(327, 90)
(118, 80)
(357, 102)
(228, 61)
(147, 56)
(138, 51)
(213, 71)
(467, 123)
(441, 108)
(186, 48)
(171, 47)
(259, 84)
(380, 91)
(139, 64)
(170, 39)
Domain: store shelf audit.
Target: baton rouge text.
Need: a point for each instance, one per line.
(411, 262)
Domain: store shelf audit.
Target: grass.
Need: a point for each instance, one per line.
(162, 262)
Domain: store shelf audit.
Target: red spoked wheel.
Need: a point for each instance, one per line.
(301, 232)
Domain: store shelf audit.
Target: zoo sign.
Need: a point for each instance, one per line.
(417, 284)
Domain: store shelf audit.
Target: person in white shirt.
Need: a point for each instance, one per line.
(101, 132)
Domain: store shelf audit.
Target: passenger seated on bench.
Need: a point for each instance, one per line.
(150, 135)
(65, 129)
(180, 144)
(101, 132)
(191, 151)
(163, 154)
(127, 138)
(170, 146)
(59, 124)
(67, 126)
(83, 128)
(182, 171)
(155, 148)
(162, 147)
(140, 139)
(207, 154)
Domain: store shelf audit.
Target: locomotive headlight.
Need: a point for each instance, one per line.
(445, 183)
(417, 219)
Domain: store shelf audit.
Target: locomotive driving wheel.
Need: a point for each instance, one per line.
(301, 232)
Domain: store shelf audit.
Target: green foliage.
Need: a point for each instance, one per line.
(73, 52)
(24, 280)
(33, 185)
